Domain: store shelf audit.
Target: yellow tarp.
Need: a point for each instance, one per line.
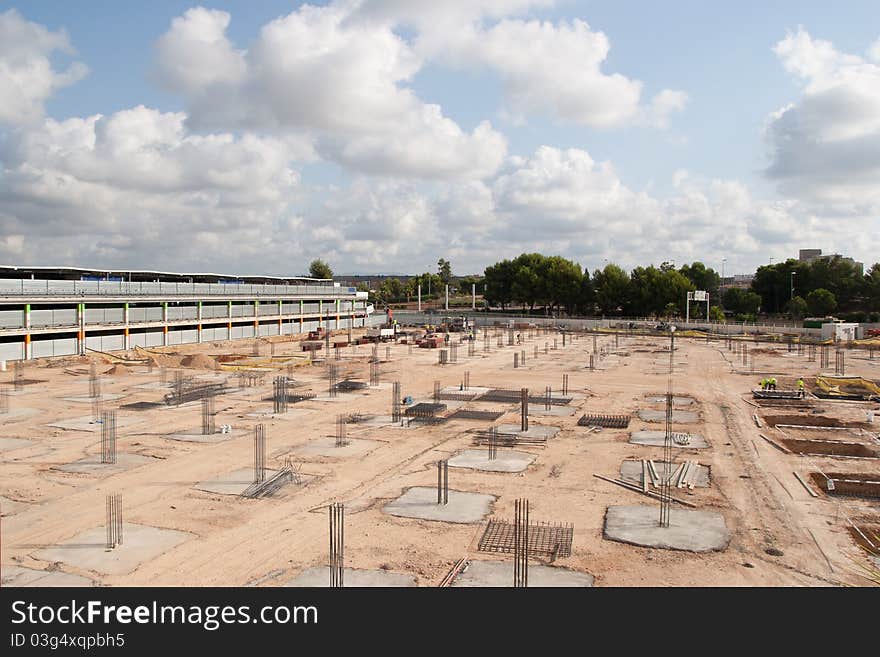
(846, 385)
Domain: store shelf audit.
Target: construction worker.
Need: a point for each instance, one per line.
(764, 383)
(800, 386)
(772, 385)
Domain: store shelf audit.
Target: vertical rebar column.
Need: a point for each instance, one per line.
(337, 542)
(524, 402)
(327, 337)
(409, 348)
(565, 384)
(521, 543)
(443, 356)
(555, 344)
(259, 453)
(443, 482)
(374, 374)
(546, 348)
(493, 443)
(280, 396)
(840, 362)
(510, 337)
(563, 338)
(486, 347)
(108, 437)
(466, 384)
(341, 440)
(548, 394)
(337, 355)
(96, 409)
(515, 360)
(453, 353)
(4, 400)
(471, 348)
(823, 358)
(163, 375)
(500, 342)
(436, 392)
(207, 414)
(592, 361)
(331, 376)
(745, 354)
(395, 401)
(617, 339)
(387, 353)
(113, 524)
(535, 352)
(522, 357)
(374, 356)
(178, 386)
(811, 353)
(595, 347)
(18, 376)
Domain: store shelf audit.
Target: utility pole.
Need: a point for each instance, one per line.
(791, 278)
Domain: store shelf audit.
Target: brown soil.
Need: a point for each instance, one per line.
(200, 361)
(872, 532)
(828, 448)
(813, 421)
(849, 484)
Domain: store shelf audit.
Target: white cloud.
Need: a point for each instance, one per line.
(27, 77)
(316, 72)
(825, 147)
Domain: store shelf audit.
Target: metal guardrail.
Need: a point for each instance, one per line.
(30, 287)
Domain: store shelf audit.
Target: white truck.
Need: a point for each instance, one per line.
(381, 334)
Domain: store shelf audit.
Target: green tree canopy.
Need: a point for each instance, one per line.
(612, 289)
(320, 269)
(821, 302)
(796, 308)
(444, 270)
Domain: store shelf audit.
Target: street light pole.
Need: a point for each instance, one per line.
(791, 278)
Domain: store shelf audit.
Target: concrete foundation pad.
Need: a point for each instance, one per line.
(85, 423)
(92, 464)
(327, 447)
(475, 390)
(685, 417)
(500, 573)
(421, 502)
(11, 507)
(154, 385)
(9, 444)
(210, 438)
(342, 397)
(535, 430)
(26, 390)
(85, 399)
(676, 401)
(20, 576)
(18, 414)
(692, 531)
(319, 576)
(657, 438)
(478, 459)
(88, 550)
(632, 471)
(554, 411)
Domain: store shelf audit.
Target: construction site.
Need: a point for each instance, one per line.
(480, 453)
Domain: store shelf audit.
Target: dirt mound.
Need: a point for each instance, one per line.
(200, 361)
(117, 370)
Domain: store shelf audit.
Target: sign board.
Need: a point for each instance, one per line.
(700, 295)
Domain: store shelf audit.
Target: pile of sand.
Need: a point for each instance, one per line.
(117, 370)
(200, 361)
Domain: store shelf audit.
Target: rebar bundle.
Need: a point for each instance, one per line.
(668, 441)
(522, 357)
(443, 482)
(555, 344)
(18, 376)
(453, 353)
(548, 395)
(208, 415)
(337, 542)
(259, 453)
(493, 444)
(471, 348)
(565, 384)
(466, 384)
(4, 400)
(341, 440)
(94, 382)
(521, 544)
(546, 348)
(114, 520)
(443, 356)
(395, 401)
(436, 392)
(374, 374)
(332, 375)
(279, 395)
(96, 409)
(524, 409)
(387, 353)
(840, 362)
(515, 360)
(500, 343)
(108, 437)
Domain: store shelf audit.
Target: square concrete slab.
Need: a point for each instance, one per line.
(421, 502)
(538, 410)
(676, 401)
(17, 414)
(85, 399)
(20, 576)
(535, 430)
(327, 447)
(692, 531)
(478, 459)
(92, 464)
(500, 573)
(9, 444)
(684, 417)
(85, 423)
(291, 414)
(88, 550)
(632, 471)
(210, 438)
(154, 385)
(319, 576)
(657, 438)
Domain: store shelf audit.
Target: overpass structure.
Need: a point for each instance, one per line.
(58, 311)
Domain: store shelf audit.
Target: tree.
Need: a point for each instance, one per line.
(716, 314)
(821, 302)
(702, 278)
(871, 287)
(741, 302)
(444, 269)
(796, 308)
(320, 269)
(612, 289)
(498, 283)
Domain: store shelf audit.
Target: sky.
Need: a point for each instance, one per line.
(381, 135)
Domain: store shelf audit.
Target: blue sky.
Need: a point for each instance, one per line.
(366, 207)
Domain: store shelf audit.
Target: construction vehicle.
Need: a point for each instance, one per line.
(872, 333)
(385, 332)
(317, 334)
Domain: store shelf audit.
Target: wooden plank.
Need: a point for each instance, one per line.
(805, 485)
(781, 448)
(757, 421)
(636, 489)
(644, 476)
(653, 470)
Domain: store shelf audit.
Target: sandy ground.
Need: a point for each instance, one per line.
(267, 542)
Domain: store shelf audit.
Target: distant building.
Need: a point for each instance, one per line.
(743, 281)
(812, 255)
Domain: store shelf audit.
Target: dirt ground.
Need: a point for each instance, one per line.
(782, 535)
